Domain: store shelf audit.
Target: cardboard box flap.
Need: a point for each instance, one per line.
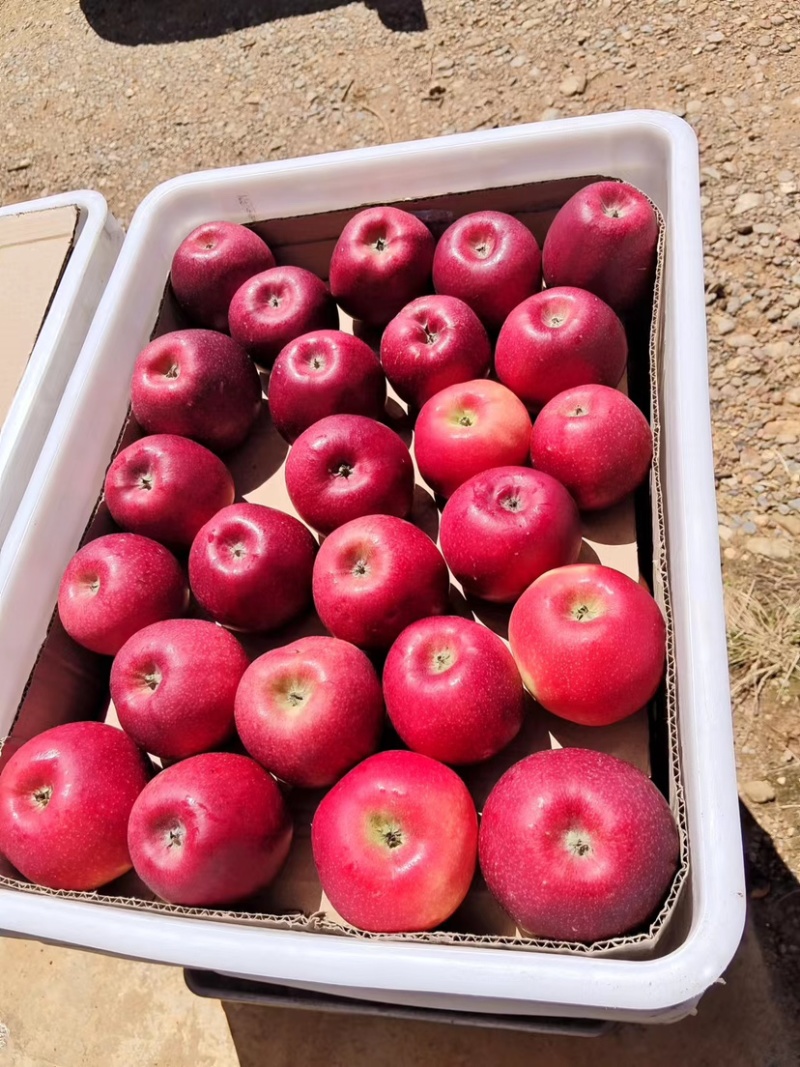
(34, 250)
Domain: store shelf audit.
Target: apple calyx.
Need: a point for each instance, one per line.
(464, 417)
(443, 660)
(174, 836)
(578, 412)
(584, 612)
(317, 361)
(430, 337)
(511, 503)
(483, 248)
(151, 679)
(380, 244)
(578, 843)
(238, 550)
(387, 831)
(292, 694)
(42, 796)
(344, 470)
(92, 584)
(146, 481)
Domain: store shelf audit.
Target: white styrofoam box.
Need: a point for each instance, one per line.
(656, 152)
(98, 239)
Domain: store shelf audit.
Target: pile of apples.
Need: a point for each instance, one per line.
(574, 844)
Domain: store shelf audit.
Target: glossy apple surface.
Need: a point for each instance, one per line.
(577, 845)
(395, 843)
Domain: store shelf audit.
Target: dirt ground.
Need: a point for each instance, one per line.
(121, 96)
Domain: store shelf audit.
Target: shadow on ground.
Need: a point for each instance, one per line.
(750, 1020)
(155, 22)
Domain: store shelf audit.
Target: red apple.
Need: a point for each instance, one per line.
(452, 689)
(346, 466)
(65, 798)
(250, 567)
(166, 487)
(381, 261)
(558, 339)
(395, 843)
(435, 341)
(590, 643)
(577, 845)
(325, 372)
(276, 307)
(116, 585)
(504, 528)
(376, 575)
(489, 260)
(604, 239)
(310, 711)
(173, 685)
(199, 384)
(210, 830)
(596, 442)
(468, 428)
(211, 264)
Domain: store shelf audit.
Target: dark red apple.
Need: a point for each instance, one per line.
(310, 711)
(395, 843)
(453, 691)
(250, 567)
(210, 830)
(198, 384)
(65, 799)
(211, 264)
(559, 339)
(468, 428)
(274, 308)
(346, 466)
(604, 239)
(590, 643)
(116, 585)
(596, 441)
(491, 261)
(325, 372)
(504, 528)
(435, 341)
(381, 261)
(376, 575)
(173, 685)
(167, 487)
(577, 845)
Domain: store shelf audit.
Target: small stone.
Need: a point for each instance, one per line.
(748, 202)
(573, 85)
(770, 549)
(792, 396)
(749, 527)
(742, 340)
(790, 523)
(781, 779)
(23, 164)
(759, 791)
(744, 228)
(550, 114)
(793, 319)
(730, 553)
(694, 107)
(129, 93)
(254, 100)
(787, 756)
(723, 324)
(725, 533)
(715, 38)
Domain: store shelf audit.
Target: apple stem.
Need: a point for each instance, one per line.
(172, 371)
(42, 796)
(430, 336)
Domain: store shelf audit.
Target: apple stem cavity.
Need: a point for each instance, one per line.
(42, 796)
(172, 371)
(146, 482)
(578, 843)
(430, 336)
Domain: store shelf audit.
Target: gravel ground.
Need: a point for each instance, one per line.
(113, 97)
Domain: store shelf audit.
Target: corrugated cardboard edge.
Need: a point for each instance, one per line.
(638, 945)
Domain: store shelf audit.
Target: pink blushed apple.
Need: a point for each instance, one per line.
(325, 372)
(250, 567)
(468, 428)
(604, 239)
(394, 843)
(173, 685)
(211, 264)
(577, 845)
(435, 341)
(346, 466)
(210, 830)
(116, 585)
(559, 339)
(504, 528)
(310, 711)
(198, 384)
(381, 261)
(167, 487)
(491, 261)
(376, 575)
(590, 643)
(453, 691)
(65, 799)
(278, 306)
(596, 441)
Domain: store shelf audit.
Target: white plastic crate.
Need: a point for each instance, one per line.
(657, 153)
(98, 239)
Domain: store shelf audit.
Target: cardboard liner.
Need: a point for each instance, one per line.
(631, 538)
